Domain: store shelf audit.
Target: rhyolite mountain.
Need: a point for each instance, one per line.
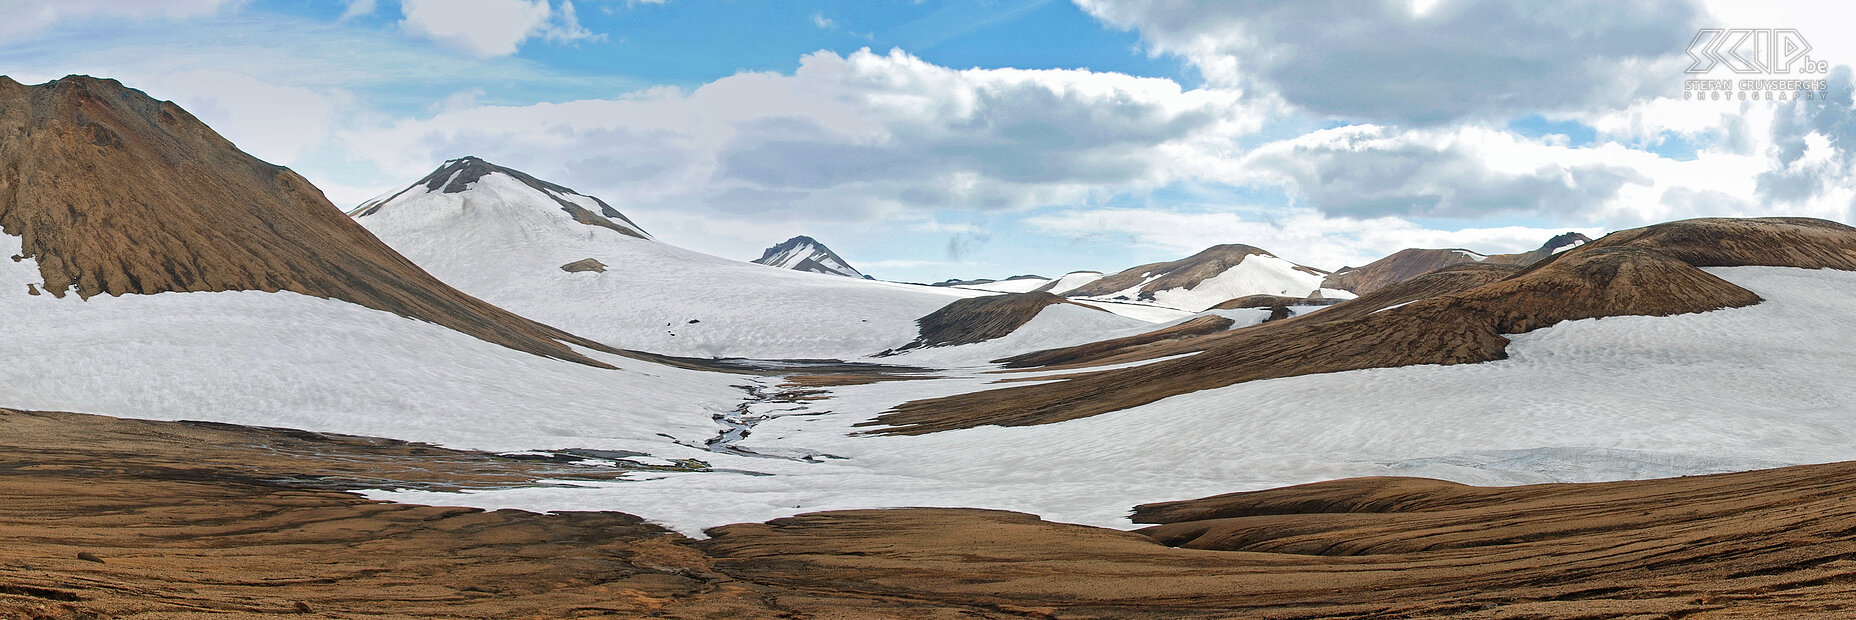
(807, 254)
(1205, 279)
(1412, 262)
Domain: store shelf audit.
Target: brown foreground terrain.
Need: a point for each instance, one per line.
(109, 518)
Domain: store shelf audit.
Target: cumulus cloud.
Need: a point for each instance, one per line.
(1423, 63)
(246, 110)
(491, 28)
(1476, 172)
(852, 137)
(25, 17)
(1812, 145)
(1370, 171)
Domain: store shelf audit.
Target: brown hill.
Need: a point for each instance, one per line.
(979, 319)
(1401, 265)
(113, 192)
(1412, 262)
(1628, 275)
(1183, 273)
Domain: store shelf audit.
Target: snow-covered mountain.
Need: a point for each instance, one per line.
(159, 272)
(1205, 279)
(507, 238)
(807, 254)
(458, 175)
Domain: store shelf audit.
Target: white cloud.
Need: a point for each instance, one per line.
(566, 27)
(491, 28)
(819, 19)
(1382, 61)
(248, 110)
(850, 138)
(24, 17)
(1474, 172)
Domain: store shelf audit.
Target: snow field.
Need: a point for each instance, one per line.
(1604, 399)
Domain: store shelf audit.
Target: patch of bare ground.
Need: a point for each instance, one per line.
(1764, 544)
(1198, 326)
(1257, 301)
(1648, 272)
(109, 518)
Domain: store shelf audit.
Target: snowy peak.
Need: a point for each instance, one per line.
(807, 254)
(464, 174)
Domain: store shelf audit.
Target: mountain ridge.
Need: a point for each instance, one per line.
(803, 253)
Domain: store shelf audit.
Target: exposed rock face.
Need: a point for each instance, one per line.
(1559, 243)
(113, 192)
(1187, 273)
(1651, 272)
(584, 264)
(1410, 263)
(807, 254)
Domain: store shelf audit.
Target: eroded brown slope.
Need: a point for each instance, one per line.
(1115, 347)
(188, 520)
(979, 319)
(1413, 262)
(1394, 268)
(1631, 275)
(1766, 544)
(113, 192)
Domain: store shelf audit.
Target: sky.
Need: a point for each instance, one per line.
(933, 139)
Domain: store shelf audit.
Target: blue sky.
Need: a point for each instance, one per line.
(931, 139)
